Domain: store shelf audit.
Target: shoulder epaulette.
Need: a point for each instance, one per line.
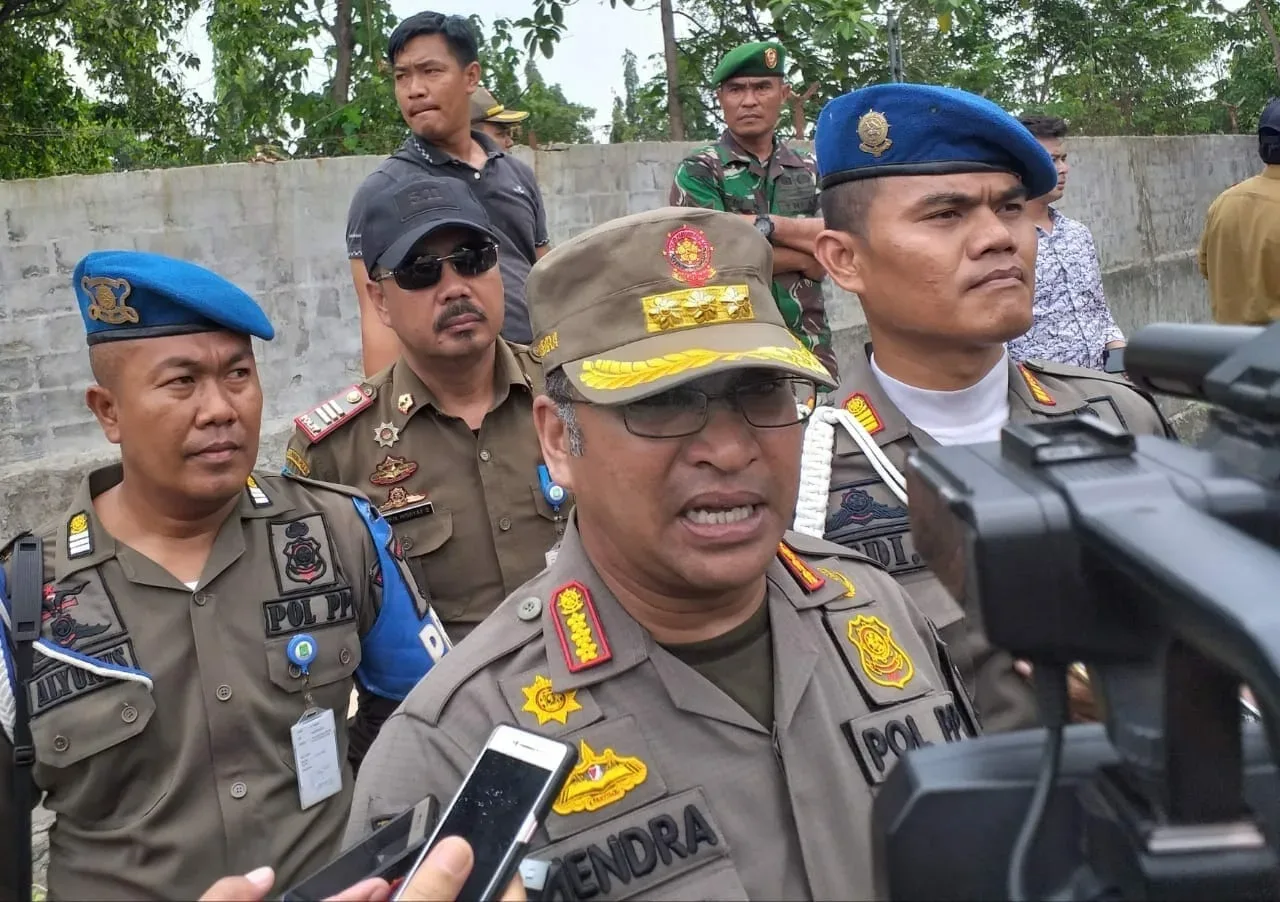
(319, 484)
(319, 421)
(1049, 368)
(800, 543)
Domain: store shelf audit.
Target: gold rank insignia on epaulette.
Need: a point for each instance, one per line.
(79, 537)
(1037, 390)
(578, 626)
(805, 575)
(257, 497)
(323, 419)
(860, 406)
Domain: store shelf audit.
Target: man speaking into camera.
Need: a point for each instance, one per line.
(736, 692)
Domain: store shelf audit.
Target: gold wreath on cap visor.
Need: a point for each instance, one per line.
(672, 296)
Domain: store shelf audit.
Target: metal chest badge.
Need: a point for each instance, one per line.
(546, 704)
(598, 780)
(386, 434)
(393, 470)
(578, 627)
(882, 658)
(689, 253)
(873, 132)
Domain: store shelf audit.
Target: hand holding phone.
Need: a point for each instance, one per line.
(503, 799)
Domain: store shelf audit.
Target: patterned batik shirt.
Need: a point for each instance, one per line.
(725, 176)
(1072, 322)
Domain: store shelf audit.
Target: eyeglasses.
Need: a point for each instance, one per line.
(422, 273)
(765, 404)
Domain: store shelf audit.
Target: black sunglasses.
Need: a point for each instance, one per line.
(422, 273)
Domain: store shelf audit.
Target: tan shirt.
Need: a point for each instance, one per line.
(159, 792)
(712, 804)
(1240, 251)
(468, 509)
(864, 515)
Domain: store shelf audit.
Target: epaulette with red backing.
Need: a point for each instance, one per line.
(860, 406)
(323, 419)
(1038, 391)
(582, 638)
(805, 575)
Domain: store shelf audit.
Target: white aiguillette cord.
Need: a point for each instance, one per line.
(815, 466)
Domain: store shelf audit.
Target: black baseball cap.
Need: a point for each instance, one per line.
(403, 213)
(1270, 118)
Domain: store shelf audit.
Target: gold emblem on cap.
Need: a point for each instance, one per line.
(873, 131)
(697, 307)
(770, 57)
(109, 296)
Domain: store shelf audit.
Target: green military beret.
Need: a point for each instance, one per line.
(760, 58)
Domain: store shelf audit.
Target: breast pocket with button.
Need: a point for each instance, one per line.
(96, 744)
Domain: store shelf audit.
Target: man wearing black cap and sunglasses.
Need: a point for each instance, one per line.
(443, 439)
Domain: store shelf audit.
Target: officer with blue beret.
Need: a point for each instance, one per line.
(201, 625)
(924, 194)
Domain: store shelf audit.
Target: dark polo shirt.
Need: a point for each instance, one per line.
(505, 187)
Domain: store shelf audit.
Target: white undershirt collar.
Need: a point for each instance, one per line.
(973, 414)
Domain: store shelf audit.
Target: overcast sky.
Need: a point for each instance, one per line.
(587, 63)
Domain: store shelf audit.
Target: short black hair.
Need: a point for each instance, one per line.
(455, 30)
(1042, 126)
(845, 206)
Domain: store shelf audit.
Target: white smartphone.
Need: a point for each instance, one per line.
(503, 799)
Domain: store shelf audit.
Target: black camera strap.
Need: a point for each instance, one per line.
(27, 575)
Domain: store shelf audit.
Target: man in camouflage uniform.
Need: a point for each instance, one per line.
(753, 172)
(924, 191)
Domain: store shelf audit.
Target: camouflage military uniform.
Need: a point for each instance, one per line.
(725, 176)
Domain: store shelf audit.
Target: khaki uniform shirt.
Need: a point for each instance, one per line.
(1240, 251)
(864, 515)
(468, 509)
(159, 792)
(678, 791)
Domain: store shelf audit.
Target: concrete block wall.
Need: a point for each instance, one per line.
(277, 230)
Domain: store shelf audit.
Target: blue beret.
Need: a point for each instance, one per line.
(130, 294)
(906, 129)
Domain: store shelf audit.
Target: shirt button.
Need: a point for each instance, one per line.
(406, 543)
(239, 790)
(504, 524)
(200, 598)
(477, 175)
(61, 743)
(295, 671)
(129, 714)
(485, 455)
(344, 657)
(529, 609)
(223, 693)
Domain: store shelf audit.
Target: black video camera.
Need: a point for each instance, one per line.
(1156, 564)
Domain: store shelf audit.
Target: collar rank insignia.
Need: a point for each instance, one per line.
(257, 497)
(405, 403)
(809, 580)
(598, 780)
(546, 704)
(578, 626)
(1037, 390)
(858, 405)
(882, 658)
(79, 538)
(840, 579)
(320, 421)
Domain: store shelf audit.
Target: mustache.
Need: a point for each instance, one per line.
(454, 310)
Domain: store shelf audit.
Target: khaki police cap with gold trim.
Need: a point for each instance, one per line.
(643, 303)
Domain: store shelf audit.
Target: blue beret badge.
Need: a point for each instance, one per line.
(109, 300)
(873, 132)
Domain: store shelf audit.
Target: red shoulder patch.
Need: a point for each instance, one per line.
(582, 638)
(319, 421)
(808, 579)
